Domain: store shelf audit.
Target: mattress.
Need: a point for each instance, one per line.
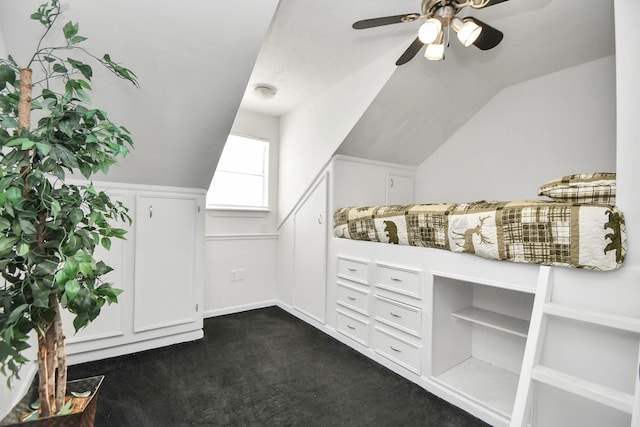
(584, 236)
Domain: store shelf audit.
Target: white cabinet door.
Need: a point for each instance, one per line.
(111, 321)
(399, 189)
(310, 253)
(165, 250)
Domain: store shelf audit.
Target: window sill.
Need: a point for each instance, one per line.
(238, 212)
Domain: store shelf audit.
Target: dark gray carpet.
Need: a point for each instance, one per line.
(261, 368)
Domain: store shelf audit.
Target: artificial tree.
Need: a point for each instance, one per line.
(49, 227)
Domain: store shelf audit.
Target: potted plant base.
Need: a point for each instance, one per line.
(84, 396)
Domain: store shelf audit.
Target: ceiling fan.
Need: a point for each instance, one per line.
(440, 15)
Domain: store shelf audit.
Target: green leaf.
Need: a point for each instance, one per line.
(76, 215)
(83, 394)
(40, 297)
(85, 69)
(70, 29)
(86, 268)
(55, 208)
(43, 148)
(45, 268)
(71, 288)
(23, 249)
(27, 144)
(14, 194)
(106, 243)
(77, 39)
(35, 405)
(67, 408)
(6, 244)
(4, 223)
(83, 96)
(27, 227)
(32, 416)
(59, 68)
(7, 75)
(19, 141)
(16, 313)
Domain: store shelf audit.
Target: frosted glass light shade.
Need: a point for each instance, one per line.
(429, 31)
(468, 31)
(434, 52)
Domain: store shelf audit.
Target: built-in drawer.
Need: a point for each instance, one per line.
(403, 280)
(353, 269)
(405, 317)
(403, 352)
(353, 297)
(352, 327)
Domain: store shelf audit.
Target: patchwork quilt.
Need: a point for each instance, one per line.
(529, 231)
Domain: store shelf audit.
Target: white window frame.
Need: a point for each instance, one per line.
(265, 178)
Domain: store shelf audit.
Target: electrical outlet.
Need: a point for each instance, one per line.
(241, 274)
(233, 275)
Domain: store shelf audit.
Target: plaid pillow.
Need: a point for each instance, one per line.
(591, 188)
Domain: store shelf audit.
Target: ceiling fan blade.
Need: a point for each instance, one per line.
(489, 37)
(411, 51)
(386, 20)
(492, 2)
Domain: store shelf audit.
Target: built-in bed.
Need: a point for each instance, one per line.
(459, 325)
(581, 228)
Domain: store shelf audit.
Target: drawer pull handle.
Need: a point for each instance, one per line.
(351, 298)
(395, 349)
(395, 315)
(350, 327)
(352, 269)
(395, 279)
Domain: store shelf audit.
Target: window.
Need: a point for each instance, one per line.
(241, 178)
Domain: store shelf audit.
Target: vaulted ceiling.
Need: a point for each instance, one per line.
(311, 45)
(195, 60)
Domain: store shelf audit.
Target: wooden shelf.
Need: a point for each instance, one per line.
(493, 320)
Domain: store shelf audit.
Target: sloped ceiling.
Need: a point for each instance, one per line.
(193, 59)
(311, 46)
(432, 100)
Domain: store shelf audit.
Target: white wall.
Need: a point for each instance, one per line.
(528, 134)
(241, 246)
(628, 123)
(3, 49)
(311, 133)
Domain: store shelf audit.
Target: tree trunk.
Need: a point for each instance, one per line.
(50, 380)
(61, 355)
(52, 361)
(24, 103)
(42, 374)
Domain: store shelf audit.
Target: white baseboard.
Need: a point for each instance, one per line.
(239, 308)
(120, 350)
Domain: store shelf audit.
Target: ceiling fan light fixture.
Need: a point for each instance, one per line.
(468, 31)
(435, 51)
(430, 30)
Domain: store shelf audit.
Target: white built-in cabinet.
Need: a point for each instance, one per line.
(165, 255)
(454, 323)
(310, 252)
(479, 335)
(158, 267)
(399, 189)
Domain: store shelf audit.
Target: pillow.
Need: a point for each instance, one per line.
(592, 188)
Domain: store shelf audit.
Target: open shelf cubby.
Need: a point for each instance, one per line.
(479, 334)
